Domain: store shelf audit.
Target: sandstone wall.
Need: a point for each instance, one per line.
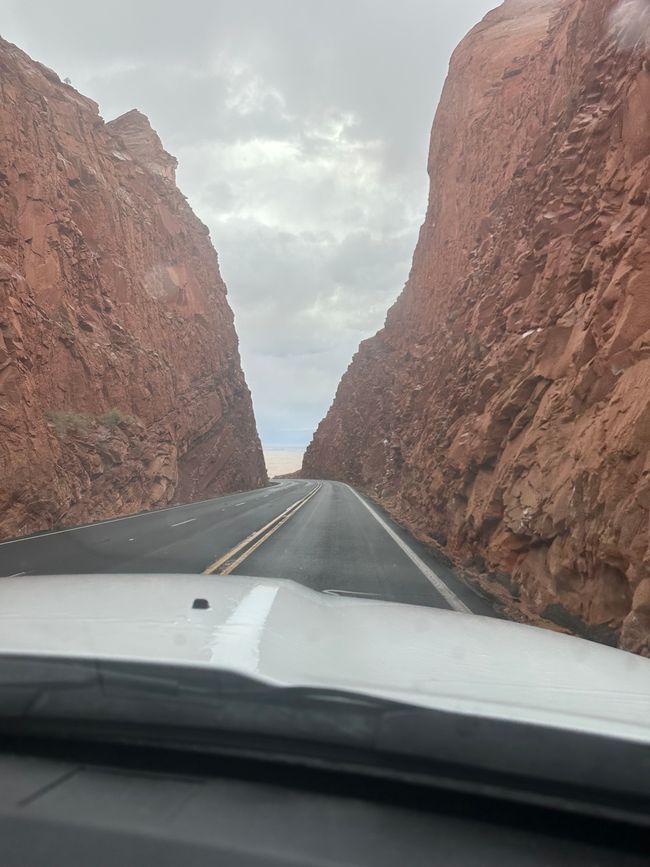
(120, 380)
(504, 410)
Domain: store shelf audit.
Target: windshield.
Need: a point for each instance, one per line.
(324, 355)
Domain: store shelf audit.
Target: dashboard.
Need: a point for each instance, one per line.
(85, 805)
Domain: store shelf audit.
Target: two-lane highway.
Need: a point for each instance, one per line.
(178, 539)
(324, 535)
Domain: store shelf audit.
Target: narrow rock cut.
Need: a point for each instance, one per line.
(121, 387)
(503, 413)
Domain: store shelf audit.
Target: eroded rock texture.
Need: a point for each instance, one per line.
(120, 381)
(504, 410)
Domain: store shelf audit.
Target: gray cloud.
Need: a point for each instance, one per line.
(630, 23)
(302, 130)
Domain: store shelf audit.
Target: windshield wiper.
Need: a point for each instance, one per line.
(223, 712)
(173, 697)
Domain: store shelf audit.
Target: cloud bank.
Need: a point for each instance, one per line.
(630, 24)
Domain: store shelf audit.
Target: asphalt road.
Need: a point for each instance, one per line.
(322, 534)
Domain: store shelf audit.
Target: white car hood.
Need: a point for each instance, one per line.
(284, 633)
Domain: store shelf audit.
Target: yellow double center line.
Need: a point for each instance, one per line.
(230, 561)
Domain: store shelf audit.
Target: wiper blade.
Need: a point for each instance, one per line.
(175, 696)
(22, 675)
(216, 711)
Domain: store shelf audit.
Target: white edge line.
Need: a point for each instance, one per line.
(428, 573)
(181, 523)
(124, 518)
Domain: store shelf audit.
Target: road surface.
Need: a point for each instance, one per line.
(324, 535)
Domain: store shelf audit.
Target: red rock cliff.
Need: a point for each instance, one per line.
(120, 381)
(504, 410)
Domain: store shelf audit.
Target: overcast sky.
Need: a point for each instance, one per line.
(301, 129)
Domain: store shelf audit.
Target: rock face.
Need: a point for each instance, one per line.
(504, 410)
(120, 381)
